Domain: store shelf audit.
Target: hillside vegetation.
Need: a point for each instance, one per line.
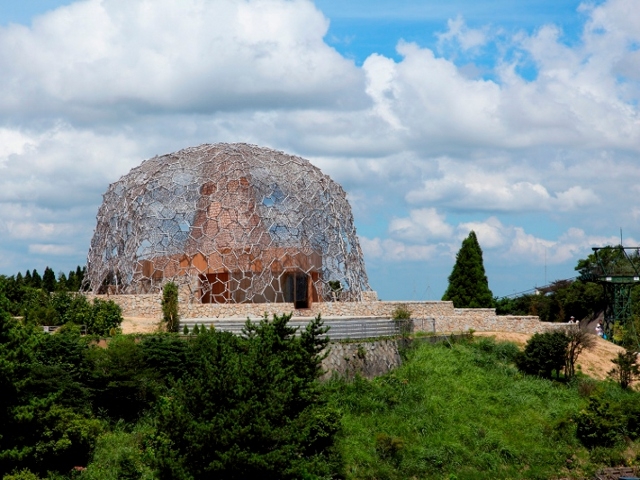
(464, 411)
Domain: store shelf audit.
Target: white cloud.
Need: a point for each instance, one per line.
(393, 251)
(485, 187)
(422, 225)
(457, 31)
(51, 249)
(491, 233)
(98, 58)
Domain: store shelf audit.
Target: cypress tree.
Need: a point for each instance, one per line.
(170, 307)
(36, 279)
(468, 284)
(49, 280)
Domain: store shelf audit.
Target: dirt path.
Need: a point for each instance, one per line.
(595, 363)
(140, 325)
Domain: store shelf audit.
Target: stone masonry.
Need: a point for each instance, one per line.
(369, 359)
(426, 314)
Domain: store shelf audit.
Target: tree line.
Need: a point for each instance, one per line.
(211, 405)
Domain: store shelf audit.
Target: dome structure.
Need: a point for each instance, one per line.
(232, 223)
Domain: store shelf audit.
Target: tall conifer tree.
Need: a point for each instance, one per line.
(36, 279)
(468, 284)
(49, 280)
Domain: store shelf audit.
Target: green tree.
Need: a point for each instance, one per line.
(250, 407)
(626, 368)
(36, 279)
(544, 354)
(105, 316)
(45, 416)
(49, 280)
(468, 284)
(170, 306)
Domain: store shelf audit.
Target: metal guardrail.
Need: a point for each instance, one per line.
(352, 329)
(53, 328)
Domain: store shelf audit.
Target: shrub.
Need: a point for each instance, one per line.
(544, 354)
(626, 368)
(609, 418)
(105, 316)
(402, 317)
(401, 312)
(170, 306)
(250, 408)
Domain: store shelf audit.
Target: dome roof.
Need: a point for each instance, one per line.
(230, 221)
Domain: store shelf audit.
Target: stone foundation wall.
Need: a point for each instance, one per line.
(484, 323)
(447, 318)
(369, 359)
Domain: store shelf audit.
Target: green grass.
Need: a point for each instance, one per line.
(460, 411)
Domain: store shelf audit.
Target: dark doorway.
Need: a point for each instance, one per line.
(297, 290)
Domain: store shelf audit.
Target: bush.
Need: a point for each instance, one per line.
(401, 315)
(626, 368)
(401, 312)
(249, 408)
(170, 306)
(610, 417)
(105, 315)
(544, 354)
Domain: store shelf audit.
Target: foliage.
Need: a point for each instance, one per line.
(544, 353)
(170, 306)
(45, 417)
(129, 376)
(468, 284)
(19, 288)
(120, 454)
(610, 417)
(578, 341)
(401, 312)
(250, 407)
(461, 411)
(49, 280)
(626, 368)
(106, 315)
(562, 299)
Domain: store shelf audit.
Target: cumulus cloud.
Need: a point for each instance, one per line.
(393, 250)
(422, 225)
(458, 32)
(542, 167)
(112, 57)
(485, 187)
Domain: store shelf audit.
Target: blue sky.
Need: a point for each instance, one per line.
(518, 120)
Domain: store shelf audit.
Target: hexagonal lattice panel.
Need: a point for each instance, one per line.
(233, 223)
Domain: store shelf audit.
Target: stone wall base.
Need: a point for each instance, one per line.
(368, 359)
(426, 314)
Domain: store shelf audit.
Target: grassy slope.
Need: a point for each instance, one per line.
(460, 412)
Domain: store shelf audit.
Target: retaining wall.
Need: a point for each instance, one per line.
(447, 318)
(369, 359)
